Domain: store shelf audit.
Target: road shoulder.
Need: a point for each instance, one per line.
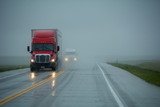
(131, 88)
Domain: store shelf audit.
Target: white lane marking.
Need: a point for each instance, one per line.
(119, 102)
(13, 75)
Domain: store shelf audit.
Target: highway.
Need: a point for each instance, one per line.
(85, 85)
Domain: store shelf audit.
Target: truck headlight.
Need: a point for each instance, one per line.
(66, 59)
(32, 60)
(52, 60)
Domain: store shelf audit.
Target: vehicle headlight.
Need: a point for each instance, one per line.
(75, 59)
(52, 60)
(66, 59)
(32, 60)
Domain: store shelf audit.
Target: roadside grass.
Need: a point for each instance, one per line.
(153, 65)
(12, 67)
(150, 76)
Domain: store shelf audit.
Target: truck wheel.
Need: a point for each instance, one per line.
(32, 69)
(53, 68)
(37, 69)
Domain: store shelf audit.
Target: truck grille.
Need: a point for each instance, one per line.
(42, 58)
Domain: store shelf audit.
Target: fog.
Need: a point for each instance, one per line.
(97, 29)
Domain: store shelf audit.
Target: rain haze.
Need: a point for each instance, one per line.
(109, 57)
(95, 28)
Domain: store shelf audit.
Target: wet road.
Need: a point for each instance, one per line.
(96, 85)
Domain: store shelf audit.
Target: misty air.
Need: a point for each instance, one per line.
(79, 53)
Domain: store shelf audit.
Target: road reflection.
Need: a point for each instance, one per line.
(32, 75)
(53, 83)
(53, 74)
(42, 77)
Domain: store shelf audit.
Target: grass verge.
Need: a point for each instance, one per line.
(153, 65)
(148, 75)
(12, 67)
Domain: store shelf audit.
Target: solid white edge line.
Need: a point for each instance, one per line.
(111, 89)
(13, 75)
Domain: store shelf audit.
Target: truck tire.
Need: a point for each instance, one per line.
(53, 68)
(32, 69)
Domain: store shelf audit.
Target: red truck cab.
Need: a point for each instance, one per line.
(45, 49)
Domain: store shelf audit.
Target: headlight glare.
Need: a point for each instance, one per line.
(32, 60)
(52, 60)
(66, 59)
(75, 59)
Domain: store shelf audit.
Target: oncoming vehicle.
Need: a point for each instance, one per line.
(70, 55)
(45, 49)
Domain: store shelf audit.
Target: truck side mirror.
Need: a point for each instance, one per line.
(57, 48)
(28, 48)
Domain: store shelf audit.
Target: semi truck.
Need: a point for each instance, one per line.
(45, 49)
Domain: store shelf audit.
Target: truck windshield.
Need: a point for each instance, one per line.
(42, 47)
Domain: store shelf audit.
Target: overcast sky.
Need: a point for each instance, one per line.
(92, 27)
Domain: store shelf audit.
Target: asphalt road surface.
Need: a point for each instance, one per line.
(88, 85)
